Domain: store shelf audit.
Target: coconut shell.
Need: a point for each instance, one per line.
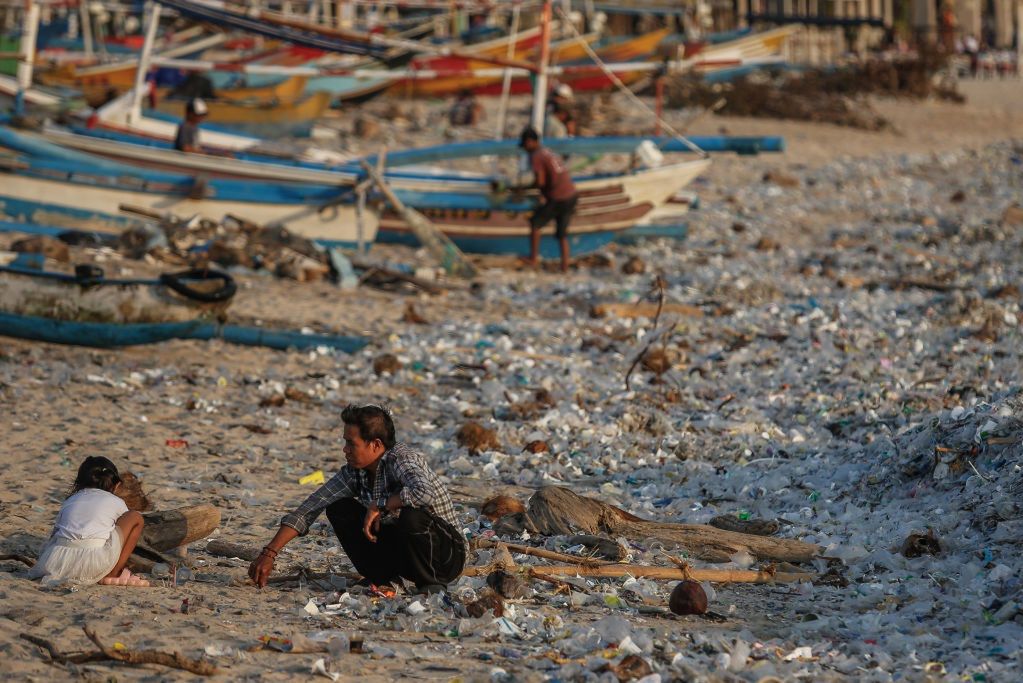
(386, 362)
(688, 597)
(507, 585)
(488, 600)
(499, 506)
(477, 438)
(631, 668)
(132, 494)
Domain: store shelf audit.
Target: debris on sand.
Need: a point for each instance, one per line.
(477, 438)
(837, 97)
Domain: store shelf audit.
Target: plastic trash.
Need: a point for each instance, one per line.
(316, 478)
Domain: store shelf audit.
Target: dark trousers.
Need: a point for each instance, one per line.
(416, 546)
(560, 211)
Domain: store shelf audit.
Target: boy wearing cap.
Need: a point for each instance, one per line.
(560, 121)
(187, 138)
(554, 181)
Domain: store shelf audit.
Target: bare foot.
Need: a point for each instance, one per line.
(125, 579)
(526, 262)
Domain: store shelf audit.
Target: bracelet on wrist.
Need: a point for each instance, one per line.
(269, 551)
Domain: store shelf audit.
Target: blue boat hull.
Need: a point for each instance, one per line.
(105, 335)
(676, 230)
(513, 245)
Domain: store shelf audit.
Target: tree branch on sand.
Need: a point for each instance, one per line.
(174, 660)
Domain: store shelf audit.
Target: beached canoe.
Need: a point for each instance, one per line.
(608, 206)
(91, 310)
(100, 81)
(50, 174)
(268, 119)
(565, 51)
(284, 90)
(524, 43)
(88, 296)
(636, 49)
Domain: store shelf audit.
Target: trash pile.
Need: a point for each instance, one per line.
(838, 97)
(199, 242)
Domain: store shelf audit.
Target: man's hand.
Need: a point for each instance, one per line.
(259, 570)
(371, 525)
(394, 502)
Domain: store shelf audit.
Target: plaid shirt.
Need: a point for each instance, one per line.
(400, 470)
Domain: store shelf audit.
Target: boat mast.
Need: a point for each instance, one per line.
(29, 30)
(85, 19)
(540, 93)
(135, 113)
(502, 111)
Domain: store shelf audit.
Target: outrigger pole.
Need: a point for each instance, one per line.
(27, 48)
(135, 113)
(540, 91)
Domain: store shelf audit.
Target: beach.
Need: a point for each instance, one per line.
(855, 305)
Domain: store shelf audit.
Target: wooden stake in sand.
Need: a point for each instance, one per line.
(450, 257)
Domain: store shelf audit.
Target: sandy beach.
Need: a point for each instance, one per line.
(847, 303)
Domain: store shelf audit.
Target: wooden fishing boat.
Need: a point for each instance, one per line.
(268, 119)
(101, 81)
(461, 202)
(744, 47)
(88, 309)
(610, 51)
(562, 52)
(284, 90)
(342, 89)
(524, 43)
(40, 171)
(608, 206)
(637, 49)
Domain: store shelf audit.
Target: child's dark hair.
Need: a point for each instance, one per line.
(96, 472)
(373, 422)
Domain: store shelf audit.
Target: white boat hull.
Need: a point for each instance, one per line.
(335, 225)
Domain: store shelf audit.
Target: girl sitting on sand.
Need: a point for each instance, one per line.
(94, 533)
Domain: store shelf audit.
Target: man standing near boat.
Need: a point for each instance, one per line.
(554, 181)
(187, 138)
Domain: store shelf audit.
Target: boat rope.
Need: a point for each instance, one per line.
(177, 282)
(628, 93)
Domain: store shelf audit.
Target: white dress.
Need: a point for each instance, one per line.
(85, 543)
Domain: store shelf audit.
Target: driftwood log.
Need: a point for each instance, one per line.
(639, 571)
(174, 528)
(174, 660)
(226, 549)
(643, 310)
(171, 529)
(558, 511)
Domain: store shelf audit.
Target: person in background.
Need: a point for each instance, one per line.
(560, 120)
(187, 138)
(554, 181)
(465, 111)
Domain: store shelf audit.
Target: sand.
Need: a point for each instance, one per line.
(60, 404)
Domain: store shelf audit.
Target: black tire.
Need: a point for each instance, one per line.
(176, 281)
